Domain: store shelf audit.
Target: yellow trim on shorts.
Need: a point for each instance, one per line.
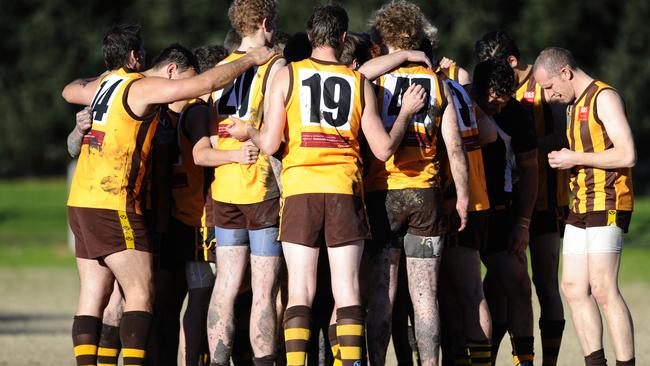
(129, 237)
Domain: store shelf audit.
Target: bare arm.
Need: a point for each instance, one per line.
(205, 155)
(378, 66)
(276, 164)
(83, 124)
(155, 90)
(457, 158)
(526, 196)
(384, 144)
(622, 155)
(82, 91)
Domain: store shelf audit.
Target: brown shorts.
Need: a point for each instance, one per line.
(252, 216)
(600, 218)
(475, 234)
(101, 232)
(339, 219)
(394, 213)
(549, 221)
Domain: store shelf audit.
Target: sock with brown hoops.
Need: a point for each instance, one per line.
(109, 346)
(134, 334)
(597, 358)
(480, 353)
(85, 336)
(626, 363)
(297, 333)
(551, 331)
(334, 344)
(350, 333)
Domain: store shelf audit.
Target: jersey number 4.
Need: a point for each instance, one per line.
(103, 99)
(235, 98)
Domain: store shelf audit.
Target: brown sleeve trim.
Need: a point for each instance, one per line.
(443, 97)
(290, 90)
(362, 95)
(268, 72)
(127, 108)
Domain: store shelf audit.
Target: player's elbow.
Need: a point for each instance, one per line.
(67, 94)
(269, 148)
(629, 159)
(199, 157)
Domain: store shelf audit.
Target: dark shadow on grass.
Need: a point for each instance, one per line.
(19, 324)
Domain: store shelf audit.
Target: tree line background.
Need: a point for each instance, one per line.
(47, 43)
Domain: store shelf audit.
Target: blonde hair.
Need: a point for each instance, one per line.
(399, 24)
(246, 15)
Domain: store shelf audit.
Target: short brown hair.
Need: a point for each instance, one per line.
(553, 59)
(399, 24)
(326, 25)
(246, 15)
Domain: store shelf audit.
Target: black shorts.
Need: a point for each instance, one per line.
(101, 232)
(500, 226)
(549, 221)
(181, 244)
(394, 213)
(475, 235)
(339, 219)
(252, 216)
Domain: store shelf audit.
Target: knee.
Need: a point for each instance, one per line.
(602, 293)
(572, 291)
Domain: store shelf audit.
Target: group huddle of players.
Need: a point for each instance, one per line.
(345, 188)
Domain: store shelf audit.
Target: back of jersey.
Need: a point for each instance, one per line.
(324, 109)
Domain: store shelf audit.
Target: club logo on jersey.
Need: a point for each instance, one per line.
(94, 138)
(529, 96)
(583, 115)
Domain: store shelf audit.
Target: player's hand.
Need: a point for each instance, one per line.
(418, 57)
(446, 63)
(413, 99)
(238, 129)
(519, 238)
(461, 209)
(260, 55)
(247, 154)
(84, 120)
(563, 159)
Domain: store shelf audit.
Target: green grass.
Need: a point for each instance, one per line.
(33, 228)
(33, 223)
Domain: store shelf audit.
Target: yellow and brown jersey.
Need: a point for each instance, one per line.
(553, 186)
(189, 182)
(414, 164)
(448, 73)
(324, 107)
(243, 99)
(114, 159)
(478, 196)
(595, 189)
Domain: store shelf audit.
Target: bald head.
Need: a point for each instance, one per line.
(554, 59)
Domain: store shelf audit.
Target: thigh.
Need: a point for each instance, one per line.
(199, 274)
(96, 284)
(344, 267)
(264, 242)
(132, 268)
(575, 240)
(345, 220)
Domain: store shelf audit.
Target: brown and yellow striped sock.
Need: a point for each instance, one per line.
(134, 334)
(522, 350)
(350, 334)
(480, 353)
(551, 331)
(109, 346)
(596, 358)
(297, 332)
(334, 344)
(85, 336)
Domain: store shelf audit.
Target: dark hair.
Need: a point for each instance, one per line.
(493, 76)
(357, 46)
(297, 48)
(497, 45)
(176, 54)
(553, 59)
(208, 56)
(280, 39)
(326, 26)
(118, 42)
(232, 40)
